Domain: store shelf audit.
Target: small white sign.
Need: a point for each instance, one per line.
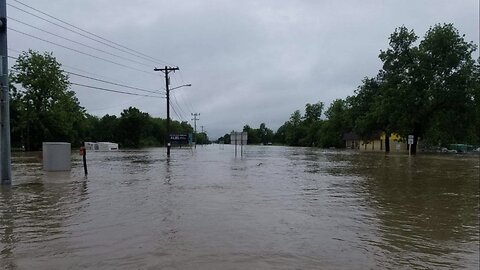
(410, 139)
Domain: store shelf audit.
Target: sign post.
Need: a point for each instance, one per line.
(410, 143)
(238, 137)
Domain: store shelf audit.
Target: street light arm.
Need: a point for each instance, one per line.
(185, 85)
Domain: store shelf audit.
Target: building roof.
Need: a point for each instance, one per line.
(350, 136)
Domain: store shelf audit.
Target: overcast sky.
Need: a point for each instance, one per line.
(248, 61)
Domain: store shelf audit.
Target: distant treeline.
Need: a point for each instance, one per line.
(42, 108)
(429, 89)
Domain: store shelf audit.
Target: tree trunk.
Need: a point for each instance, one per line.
(387, 142)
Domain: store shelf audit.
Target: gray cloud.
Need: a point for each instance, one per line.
(249, 61)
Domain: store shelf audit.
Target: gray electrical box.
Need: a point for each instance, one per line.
(56, 156)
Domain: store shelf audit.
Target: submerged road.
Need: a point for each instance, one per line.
(275, 208)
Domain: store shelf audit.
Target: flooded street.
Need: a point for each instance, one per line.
(275, 208)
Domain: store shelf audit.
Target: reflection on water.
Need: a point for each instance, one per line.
(277, 207)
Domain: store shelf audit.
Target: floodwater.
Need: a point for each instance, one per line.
(273, 208)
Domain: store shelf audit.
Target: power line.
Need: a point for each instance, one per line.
(176, 112)
(65, 66)
(99, 80)
(180, 114)
(79, 43)
(100, 88)
(136, 53)
(80, 52)
(114, 91)
(189, 108)
(183, 83)
(181, 111)
(186, 101)
(113, 83)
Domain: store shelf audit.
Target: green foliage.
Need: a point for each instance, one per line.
(202, 138)
(338, 122)
(225, 139)
(133, 126)
(43, 108)
(262, 135)
(430, 89)
(431, 85)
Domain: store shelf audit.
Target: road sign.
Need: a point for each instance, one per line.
(410, 139)
(179, 139)
(239, 138)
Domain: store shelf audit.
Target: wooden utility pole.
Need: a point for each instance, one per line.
(167, 70)
(5, 148)
(195, 119)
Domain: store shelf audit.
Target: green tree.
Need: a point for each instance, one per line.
(253, 135)
(294, 131)
(312, 123)
(338, 123)
(429, 86)
(225, 138)
(43, 107)
(265, 134)
(448, 76)
(107, 129)
(133, 127)
(400, 62)
(373, 109)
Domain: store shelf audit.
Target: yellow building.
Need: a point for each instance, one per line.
(377, 144)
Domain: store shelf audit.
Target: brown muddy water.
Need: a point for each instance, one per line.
(275, 208)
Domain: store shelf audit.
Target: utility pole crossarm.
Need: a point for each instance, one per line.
(166, 69)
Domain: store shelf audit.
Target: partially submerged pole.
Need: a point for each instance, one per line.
(83, 152)
(5, 148)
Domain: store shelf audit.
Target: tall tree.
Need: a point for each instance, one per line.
(312, 123)
(44, 109)
(294, 130)
(133, 126)
(265, 134)
(396, 91)
(447, 71)
(338, 122)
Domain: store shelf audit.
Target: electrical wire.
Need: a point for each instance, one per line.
(81, 52)
(180, 110)
(79, 43)
(112, 83)
(174, 111)
(69, 68)
(179, 113)
(101, 88)
(125, 49)
(114, 91)
(103, 81)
